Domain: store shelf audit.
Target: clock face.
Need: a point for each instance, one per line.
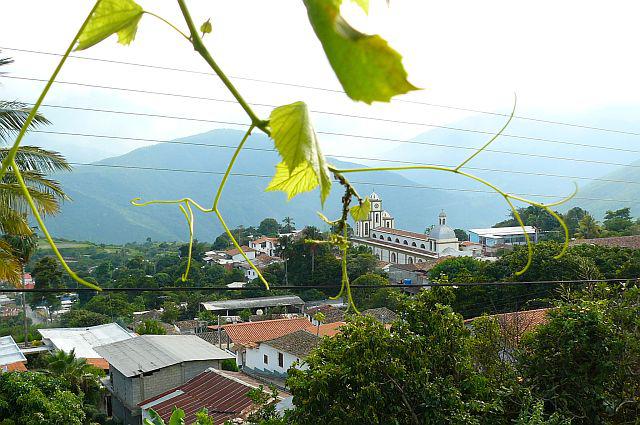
(376, 205)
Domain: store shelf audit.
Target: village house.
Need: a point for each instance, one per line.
(148, 365)
(331, 314)
(265, 246)
(275, 356)
(396, 246)
(251, 334)
(83, 341)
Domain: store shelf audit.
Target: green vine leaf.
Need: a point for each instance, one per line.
(297, 143)
(302, 179)
(361, 212)
(111, 17)
(368, 69)
(206, 27)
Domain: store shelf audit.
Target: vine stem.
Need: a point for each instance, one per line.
(504, 194)
(190, 218)
(170, 24)
(199, 47)
(219, 215)
(43, 228)
(10, 158)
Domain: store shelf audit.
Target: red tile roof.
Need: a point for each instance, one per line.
(236, 251)
(255, 332)
(225, 398)
(16, 367)
(100, 363)
(328, 329)
(402, 233)
(264, 239)
(617, 241)
(331, 313)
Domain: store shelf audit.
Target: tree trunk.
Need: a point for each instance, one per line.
(24, 307)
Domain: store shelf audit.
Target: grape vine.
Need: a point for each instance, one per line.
(368, 69)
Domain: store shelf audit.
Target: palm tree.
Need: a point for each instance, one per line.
(289, 225)
(77, 372)
(34, 163)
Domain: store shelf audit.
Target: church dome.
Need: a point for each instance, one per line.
(442, 231)
(374, 197)
(385, 214)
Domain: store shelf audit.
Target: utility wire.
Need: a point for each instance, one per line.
(131, 90)
(305, 287)
(325, 89)
(364, 158)
(150, 115)
(410, 186)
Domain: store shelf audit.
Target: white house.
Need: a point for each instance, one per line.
(265, 245)
(397, 246)
(276, 356)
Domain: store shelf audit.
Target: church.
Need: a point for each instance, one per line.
(396, 246)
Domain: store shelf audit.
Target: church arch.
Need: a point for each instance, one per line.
(422, 246)
(381, 237)
(419, 260)
(405, 242)
(410, 260)
(397, 240)
(389, 238)
(413, 244)
(393, 257)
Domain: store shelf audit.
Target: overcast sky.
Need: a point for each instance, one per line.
(561, 58)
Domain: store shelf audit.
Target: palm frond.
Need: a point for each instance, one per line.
(13, 115)
(11, 197)
(37, 181)
(10, 268)
(13, 222)
(33, 158)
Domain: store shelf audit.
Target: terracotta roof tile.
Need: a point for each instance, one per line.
(617, 241)
(100, 363)
(224, 396)
(15, 367)
(327, 329)
(255, 332)
(235, 251)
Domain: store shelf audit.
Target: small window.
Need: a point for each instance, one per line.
(422, 246)
(405, 242)
(397, 240)
(265, 359)
(413, 244)
(381, 237)
(389, 238)
(280, 359)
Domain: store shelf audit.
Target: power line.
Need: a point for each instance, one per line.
(305, 287)
(410, 186)
(150, 115)
(377, 159)
(325, 89)
(131, 90)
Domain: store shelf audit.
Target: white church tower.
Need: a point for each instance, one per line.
(377, 218)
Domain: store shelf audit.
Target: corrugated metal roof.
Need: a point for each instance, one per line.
(225, 398)
(84, 340)
(10, 352)
(147, 353)
(502, 231)
(259, 302)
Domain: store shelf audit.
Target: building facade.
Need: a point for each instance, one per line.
(397, 246)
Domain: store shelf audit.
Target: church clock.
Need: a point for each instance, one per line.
(376, 205)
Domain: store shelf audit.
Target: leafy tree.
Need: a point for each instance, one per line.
(269, 227)
(583, 360)
(150, 327)
(419, 371)
(532, 216)
(47, 275)
(80, 318)
(177, 418)
(461, 234)
(572, 219)
(171, 312)
(222, 242)
(588, 228)
(618, 221)
(364, 298)
(32, 398)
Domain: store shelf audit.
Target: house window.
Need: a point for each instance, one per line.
(410, 260)
(265, 359)
(393, 257)
(280, 359)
